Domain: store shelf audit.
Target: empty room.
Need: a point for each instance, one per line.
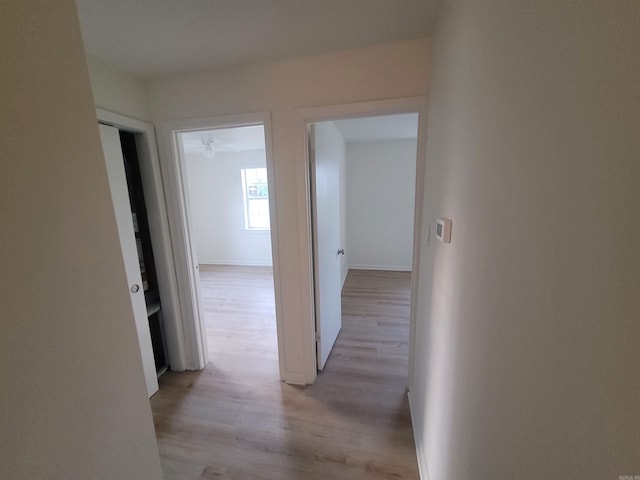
(363, 174)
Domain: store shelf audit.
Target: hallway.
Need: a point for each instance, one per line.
(237, 420)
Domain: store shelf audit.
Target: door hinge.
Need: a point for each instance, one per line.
(317, 336)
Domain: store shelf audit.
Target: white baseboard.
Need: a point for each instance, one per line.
(294, 378)
(417, 438)
(380, 267)
(235, 264)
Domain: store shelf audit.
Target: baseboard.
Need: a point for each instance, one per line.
(380, 267)
(235, 264)
(417, 438)
(294, 378)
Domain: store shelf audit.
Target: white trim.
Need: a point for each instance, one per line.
(294, 378)
(389, 268)
(246, 200)
(159, 228)
(302, 117)
(177, 198)
(417, 439)
(231, 263)
(419, 224)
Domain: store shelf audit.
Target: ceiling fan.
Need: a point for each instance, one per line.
(210, 147)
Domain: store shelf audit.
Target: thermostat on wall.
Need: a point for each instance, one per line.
(443, 230)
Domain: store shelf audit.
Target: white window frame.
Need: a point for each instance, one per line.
(247, 200)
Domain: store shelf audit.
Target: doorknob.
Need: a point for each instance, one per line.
(134, 288)
(341, 251)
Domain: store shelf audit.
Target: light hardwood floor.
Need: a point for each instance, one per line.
(237, 420)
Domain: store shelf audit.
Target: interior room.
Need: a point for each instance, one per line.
(380, 174)
(363, 174)
(522, 307)
(228, 191)
(228, 195)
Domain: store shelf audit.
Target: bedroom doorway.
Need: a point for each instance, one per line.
(223, 214)
(227, 190)
(333, 113)
(362, 183)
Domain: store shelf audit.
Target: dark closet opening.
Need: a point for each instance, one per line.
(145, 250)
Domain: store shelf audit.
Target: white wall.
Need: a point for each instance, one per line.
(118, 91)
(217, 209)
(376, 73)
(527, 341)
(380, 202)
(71, 408)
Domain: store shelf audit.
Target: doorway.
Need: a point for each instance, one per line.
(227, 190)
(154, 303)
(300, 336)
(144, 247)
(363, 175)
(307, 116)
(216, 229)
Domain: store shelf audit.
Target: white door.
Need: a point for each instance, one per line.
(192, 291)
(325, 192)
(120, 198)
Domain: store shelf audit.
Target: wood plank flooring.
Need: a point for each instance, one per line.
(236, 420)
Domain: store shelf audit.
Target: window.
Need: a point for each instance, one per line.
(256, 198)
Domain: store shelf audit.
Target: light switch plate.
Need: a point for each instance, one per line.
(443, 229)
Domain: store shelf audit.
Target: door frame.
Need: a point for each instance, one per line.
(154, 196)
(174, 174)
(305, 116)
